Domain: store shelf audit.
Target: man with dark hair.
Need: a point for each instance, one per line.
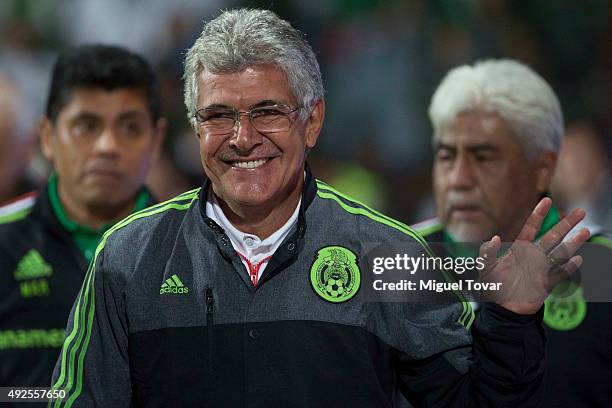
(16, 141)
(101, 131)
(250, 291)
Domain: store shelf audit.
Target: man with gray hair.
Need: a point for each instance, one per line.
(497, 133)
(246, 292)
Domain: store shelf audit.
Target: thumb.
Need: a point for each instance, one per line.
(489, 249)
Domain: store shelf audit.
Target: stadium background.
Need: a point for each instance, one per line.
(381, 61)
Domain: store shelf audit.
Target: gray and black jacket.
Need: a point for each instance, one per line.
(167, 316)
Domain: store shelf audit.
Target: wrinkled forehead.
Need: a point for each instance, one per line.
(245, 88)
(475, 127)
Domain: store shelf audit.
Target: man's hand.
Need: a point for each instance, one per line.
(528, 271)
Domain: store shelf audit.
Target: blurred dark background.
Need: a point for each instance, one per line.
(381, 61)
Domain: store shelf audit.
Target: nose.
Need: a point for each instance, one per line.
(107, 143)
(245, 136)
(461, 174)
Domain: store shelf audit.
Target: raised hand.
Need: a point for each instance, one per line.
(529, 270)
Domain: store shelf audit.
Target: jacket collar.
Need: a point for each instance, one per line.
(308, 195)
(457, 249)
(288, 250)
(43, 210)
(143, 200)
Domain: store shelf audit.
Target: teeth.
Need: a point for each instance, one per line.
(250, 164)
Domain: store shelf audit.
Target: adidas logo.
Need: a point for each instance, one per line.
(32, 266)
(173, 285)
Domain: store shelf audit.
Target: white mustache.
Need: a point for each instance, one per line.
(458, 199)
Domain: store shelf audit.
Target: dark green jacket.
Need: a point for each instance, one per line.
(41, 272)
(579, 333)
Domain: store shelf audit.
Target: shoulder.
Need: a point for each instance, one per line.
(16, 221)
(369, 226)
(429, 228)
(602, 238)
(19, 235)
(17, 209)
(355, 217)
(150, 223)
(134, 243)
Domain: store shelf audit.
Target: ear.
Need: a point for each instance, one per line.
(314, 123)
(545, 170)
(45, 129)
(160, 135)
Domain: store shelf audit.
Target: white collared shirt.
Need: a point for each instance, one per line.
(249, 245)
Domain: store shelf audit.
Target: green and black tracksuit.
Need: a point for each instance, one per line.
(167, 317)
(579, 333)
(43, 260)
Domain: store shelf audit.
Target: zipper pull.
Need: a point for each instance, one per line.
(210, 301)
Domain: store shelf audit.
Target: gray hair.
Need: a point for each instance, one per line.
(512, 90)
(238, 39)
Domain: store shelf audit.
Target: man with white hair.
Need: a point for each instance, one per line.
(497, 133)
(246, 292)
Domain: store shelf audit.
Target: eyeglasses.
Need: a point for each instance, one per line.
(265, 119)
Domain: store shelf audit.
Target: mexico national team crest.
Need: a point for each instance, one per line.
(565, 312)
(334, 274)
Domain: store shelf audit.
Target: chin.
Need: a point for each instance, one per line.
(249, 201)
(105, 198)
(472, 234)
(252, 195)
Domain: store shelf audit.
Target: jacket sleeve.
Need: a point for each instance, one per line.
(503, 367)
(93, 366)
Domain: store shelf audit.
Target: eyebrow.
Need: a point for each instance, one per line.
(217, 106)
(473, 148)
(483, 148)
(442, 146)
(85, 115)
(131, 115)
(266, 102)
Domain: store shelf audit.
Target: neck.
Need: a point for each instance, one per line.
(94, 217)
(262, 220)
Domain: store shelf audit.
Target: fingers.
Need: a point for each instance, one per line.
(563, 272)
(560, 258)
(581, 237)
(564, 252)
(556, 234)
(534, 222)
(489, 249)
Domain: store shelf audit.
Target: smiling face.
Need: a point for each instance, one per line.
(101, 145)
(248, 168)
(484, 184)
